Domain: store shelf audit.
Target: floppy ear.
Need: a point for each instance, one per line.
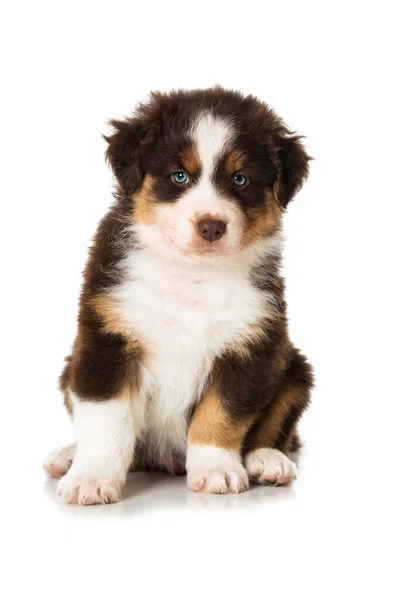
(293, 169)
(124, 152)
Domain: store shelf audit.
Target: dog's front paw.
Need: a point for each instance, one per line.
(215, 471)
(270, 466)
(84, 490)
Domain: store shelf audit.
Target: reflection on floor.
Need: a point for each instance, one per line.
(146, 492)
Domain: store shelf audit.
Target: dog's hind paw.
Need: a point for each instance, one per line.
(270, 466)
(59, 461)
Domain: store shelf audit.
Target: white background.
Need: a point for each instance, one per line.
(330, 69)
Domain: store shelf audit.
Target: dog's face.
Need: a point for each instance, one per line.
(208, 172)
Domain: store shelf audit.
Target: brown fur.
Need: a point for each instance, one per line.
(143, 211)
(234, 162)
(190, 162)
(263, 223)
(212, 425)
(107, 309)
(270, 425)
(245, 345)
(276, 427)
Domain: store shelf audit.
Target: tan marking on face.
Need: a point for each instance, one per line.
(143, 208)
(234, 161)
(263, 224)
(211, 424)
(190, 161)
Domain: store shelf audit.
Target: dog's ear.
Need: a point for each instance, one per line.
(124, 151)
(293, 168)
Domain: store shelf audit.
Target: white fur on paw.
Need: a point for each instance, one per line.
(59, 461)
(270, 466)
(218, 481)
(215, 471)
(84, 490)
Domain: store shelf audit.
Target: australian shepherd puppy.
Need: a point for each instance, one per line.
(182, 360)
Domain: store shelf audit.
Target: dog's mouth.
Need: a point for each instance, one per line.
(214, 250)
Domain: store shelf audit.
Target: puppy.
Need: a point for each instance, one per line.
(182, 360)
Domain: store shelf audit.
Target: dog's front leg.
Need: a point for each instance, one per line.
(108, 416)
(105, 433)
(214, 463)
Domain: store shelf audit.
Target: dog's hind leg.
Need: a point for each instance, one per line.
(274, 436)
(59, 461)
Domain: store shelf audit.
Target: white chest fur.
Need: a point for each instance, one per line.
(185, 315)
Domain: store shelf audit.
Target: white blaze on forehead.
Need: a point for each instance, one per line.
(211, 134)
(176, 221)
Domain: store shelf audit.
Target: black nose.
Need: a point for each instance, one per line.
(211, 230)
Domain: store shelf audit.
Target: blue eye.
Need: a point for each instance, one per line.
(180, 177)
(239, 179)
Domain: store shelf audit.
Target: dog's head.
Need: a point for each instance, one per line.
(208, 171)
